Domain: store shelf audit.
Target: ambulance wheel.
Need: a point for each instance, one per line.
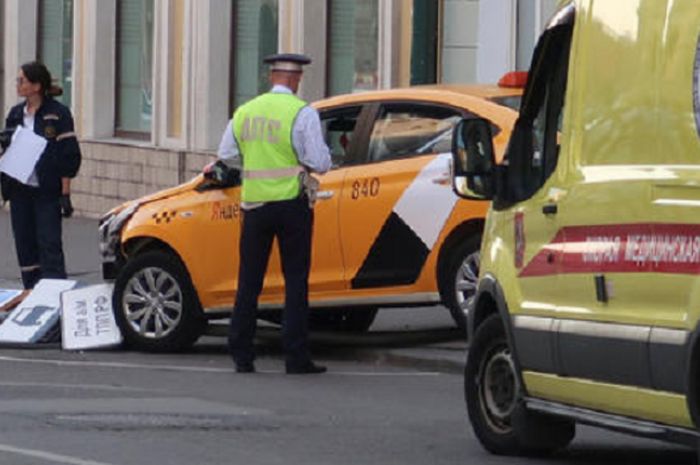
(355, 320)
(494, 400)
(155, 304)
(460, 278)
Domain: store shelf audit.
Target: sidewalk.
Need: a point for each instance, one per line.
(80, 245)
(422, 338)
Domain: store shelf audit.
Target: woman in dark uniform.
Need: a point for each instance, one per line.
(36, 211)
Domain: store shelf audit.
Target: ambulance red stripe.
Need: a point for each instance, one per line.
(629, 248)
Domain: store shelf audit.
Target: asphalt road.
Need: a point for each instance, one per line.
(113, 408)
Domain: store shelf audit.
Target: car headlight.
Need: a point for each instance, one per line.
(110, 229)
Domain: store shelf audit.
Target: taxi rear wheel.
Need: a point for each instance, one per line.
(459, 279)
(155, 304)
(494, 400)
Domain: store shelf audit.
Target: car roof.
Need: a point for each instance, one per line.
(445, 93)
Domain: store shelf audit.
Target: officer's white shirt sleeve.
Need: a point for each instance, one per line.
(307, 138)
(228, 148)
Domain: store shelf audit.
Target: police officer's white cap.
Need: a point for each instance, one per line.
(290, 62)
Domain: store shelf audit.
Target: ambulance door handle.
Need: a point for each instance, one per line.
(324, 195)
(550, 209)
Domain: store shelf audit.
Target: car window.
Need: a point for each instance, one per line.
(403, 130)
(510, 101)
(338, 129)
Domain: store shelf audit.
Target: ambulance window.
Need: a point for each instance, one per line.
(533, 152)
(405, 130)
(338, 129)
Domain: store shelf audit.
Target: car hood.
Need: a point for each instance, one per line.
(161, 194)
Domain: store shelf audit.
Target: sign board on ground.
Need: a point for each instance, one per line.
(37, 314)
(87, 321)
(9, 298)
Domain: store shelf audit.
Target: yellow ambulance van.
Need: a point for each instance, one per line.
(588, 300)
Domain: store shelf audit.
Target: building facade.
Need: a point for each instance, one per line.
(153, 83)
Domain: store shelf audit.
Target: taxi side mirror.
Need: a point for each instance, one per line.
(473, 159)
(219, 176)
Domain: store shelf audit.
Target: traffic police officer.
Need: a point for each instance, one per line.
(277, 138)
(36, 209)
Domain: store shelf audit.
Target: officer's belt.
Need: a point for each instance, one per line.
(273, 173)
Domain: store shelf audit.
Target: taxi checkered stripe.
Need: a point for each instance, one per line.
(164, 216)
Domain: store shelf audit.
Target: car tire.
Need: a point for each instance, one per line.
(460, 278)
(155, 304)
(355, 320)
(494, 400)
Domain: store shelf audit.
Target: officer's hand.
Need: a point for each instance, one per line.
(66, 205)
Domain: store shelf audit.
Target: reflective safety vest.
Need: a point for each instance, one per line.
(263, 131)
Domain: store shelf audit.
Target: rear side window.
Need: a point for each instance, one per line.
(404, 130)
(511, 101)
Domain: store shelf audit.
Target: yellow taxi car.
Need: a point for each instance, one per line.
(388, 230)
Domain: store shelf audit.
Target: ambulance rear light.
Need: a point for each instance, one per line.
(514, 79)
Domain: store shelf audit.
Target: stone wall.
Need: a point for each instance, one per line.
(114, 172)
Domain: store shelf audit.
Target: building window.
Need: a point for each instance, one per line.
(55, 43)
(352, 51)
(255, 35)
(134, 89)
(533, 16)
(424, 44)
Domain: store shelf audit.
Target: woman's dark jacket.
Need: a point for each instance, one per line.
(61, 158)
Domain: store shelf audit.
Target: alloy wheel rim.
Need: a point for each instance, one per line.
(466, 281)
(152, 303)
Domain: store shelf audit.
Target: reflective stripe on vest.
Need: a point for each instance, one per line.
(263, 131)
(274, 173)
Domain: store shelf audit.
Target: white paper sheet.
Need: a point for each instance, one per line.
(21, 157)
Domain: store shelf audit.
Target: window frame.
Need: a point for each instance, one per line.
(545, 94)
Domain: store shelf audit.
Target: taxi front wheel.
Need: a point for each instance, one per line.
(155, 304)
(494, 400)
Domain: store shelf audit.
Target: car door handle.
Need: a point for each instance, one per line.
(442, 180)
(324, 195)
(550, 209)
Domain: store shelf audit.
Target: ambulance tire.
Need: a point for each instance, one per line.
(494, 400)
(157, 282)
(353, 320)
(464, 268)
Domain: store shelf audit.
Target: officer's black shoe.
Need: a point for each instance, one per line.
(308, 368)
(245, 368)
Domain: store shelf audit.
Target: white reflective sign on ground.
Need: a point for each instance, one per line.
(37, 314)
(87, 320)
(8, 295)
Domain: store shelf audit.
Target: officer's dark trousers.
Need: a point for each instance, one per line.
(36, 224)
(291, 221)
